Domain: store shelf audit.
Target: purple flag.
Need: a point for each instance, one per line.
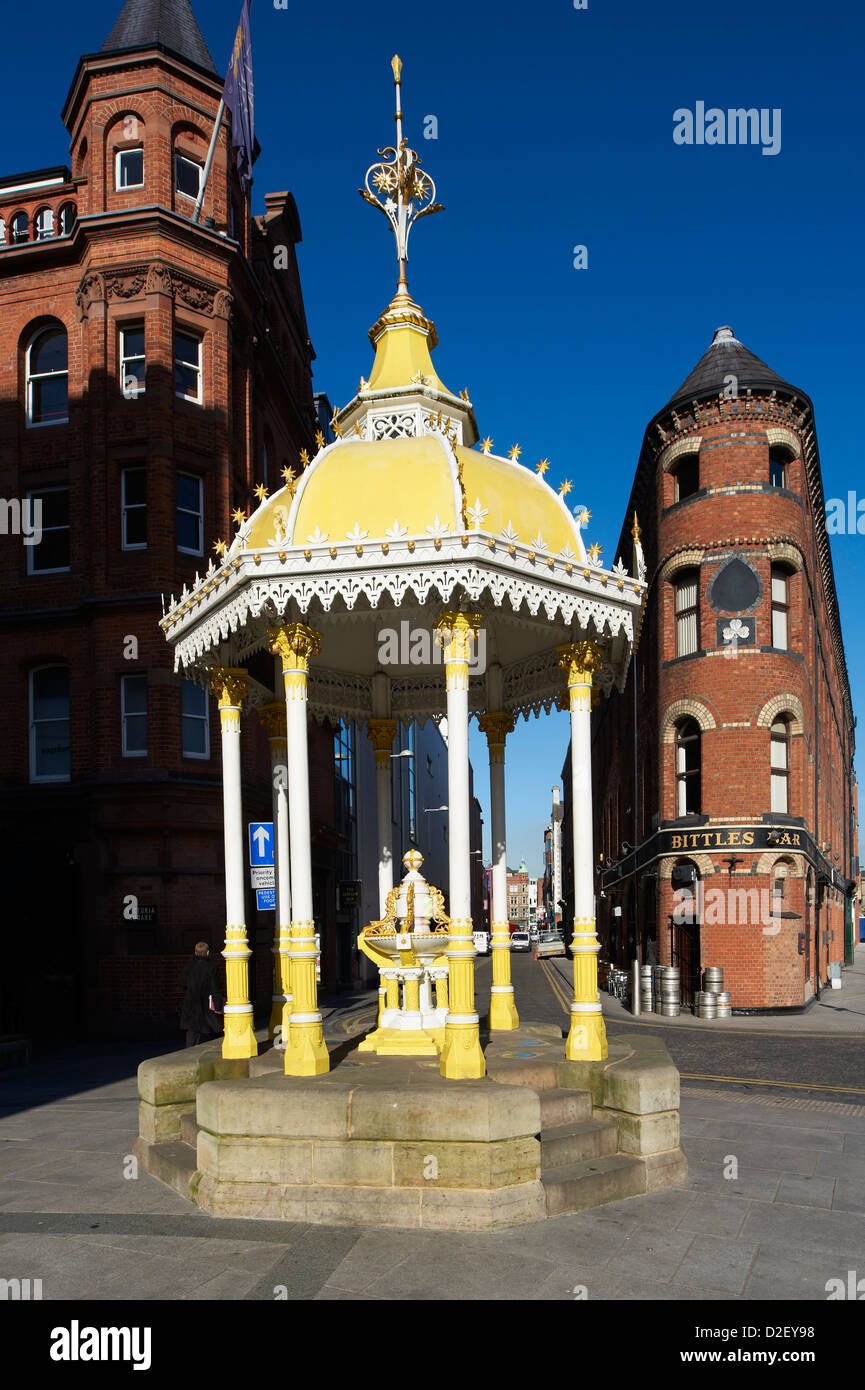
(239, 97)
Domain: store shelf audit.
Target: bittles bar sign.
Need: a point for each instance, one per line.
(740, 837)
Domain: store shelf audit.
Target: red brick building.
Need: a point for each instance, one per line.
(725, 806)
(153, 371)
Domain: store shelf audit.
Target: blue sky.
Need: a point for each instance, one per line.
(554, 129)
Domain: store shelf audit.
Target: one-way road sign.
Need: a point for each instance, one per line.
(260, 842)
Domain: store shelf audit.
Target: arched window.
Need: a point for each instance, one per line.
(687, 612)
(688, 768)
(686, 477)
(48, 378)
(68, 218)
(44, 224)
(49, 724)
(20, 229)
(2, 231)
(779, 762)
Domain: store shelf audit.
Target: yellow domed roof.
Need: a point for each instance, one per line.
(364, 491)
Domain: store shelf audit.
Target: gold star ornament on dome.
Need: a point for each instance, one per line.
(486, 445)
(594, 552)
(260, 492)
(319, 439)
(514, 452)
(238, 517)
(288, 475)
(304, 457)
(584, 517)
(542, 466)
(219, 547)
(565, 487)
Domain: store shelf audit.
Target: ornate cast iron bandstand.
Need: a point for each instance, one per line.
(402, 517)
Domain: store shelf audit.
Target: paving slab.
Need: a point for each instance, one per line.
(782, 1273)
(804, 1228)
(805, 1192)
(716, 1215)
(716, 1262)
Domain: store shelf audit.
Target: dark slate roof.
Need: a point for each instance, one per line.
(726, 356)
(169, 23)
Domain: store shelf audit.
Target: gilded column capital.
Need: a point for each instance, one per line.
(496, 726)
(273, 718)
(455, 634)
(381, 734)
(296, 644)
(580, 660)
(230, 685)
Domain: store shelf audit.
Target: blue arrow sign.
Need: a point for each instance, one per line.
(260, 842)
(265, 899)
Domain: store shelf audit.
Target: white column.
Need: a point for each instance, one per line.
(503, 1014)
(462, 1056)
(273, 718)
(230, 686)
(306, 1053)
(587, 1038)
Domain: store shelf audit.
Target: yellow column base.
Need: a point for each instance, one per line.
(462, 1057)
(306, 1054)
(503, 1016)
(239, 1039)
(587, 1038)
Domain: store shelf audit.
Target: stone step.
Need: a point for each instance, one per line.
(579, 1186)
(576, 1143)
(189, 1130)
(564, 1107)
(174, 1164)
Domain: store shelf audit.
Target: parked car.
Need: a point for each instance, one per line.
(550, 944)
(520, 941)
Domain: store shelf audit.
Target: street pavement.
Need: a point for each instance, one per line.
(774, 1207)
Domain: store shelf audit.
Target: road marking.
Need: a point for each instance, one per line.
(554, 981)
(753, 1081)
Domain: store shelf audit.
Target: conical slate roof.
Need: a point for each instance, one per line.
(169, 23)
(726, 357)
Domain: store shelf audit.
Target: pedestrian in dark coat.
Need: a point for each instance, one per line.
(204, 999)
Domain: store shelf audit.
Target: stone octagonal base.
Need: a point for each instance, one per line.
(386, 1141)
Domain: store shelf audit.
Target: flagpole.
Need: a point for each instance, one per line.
(210, 153)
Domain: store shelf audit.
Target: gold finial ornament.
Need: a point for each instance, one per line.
(260, 492)
(304, 457)
(542, 466)
(319, 439)
(635, 529)
(219, 547)
(398, 186)
(565, 487)
(238, 517)
(486, 445)
(514, 452)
